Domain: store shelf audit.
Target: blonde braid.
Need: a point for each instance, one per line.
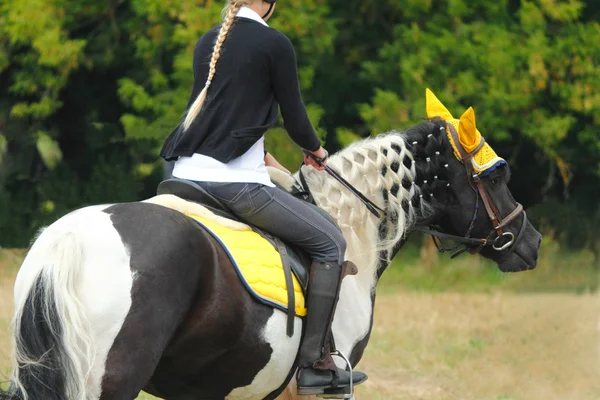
(231, 10)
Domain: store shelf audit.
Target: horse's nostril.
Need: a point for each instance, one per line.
(539, 243)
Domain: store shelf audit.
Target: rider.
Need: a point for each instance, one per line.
(243, 71)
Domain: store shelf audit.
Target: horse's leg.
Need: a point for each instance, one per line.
(169, 254)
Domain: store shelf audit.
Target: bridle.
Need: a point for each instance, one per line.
(496, 235)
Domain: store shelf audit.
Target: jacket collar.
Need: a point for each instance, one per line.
(247, 12)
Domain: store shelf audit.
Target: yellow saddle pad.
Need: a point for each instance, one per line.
(258, 264)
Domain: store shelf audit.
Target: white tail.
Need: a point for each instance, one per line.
(52, 339)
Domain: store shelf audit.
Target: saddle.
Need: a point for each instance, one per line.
(294, 260)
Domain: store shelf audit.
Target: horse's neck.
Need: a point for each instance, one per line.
(377, 168)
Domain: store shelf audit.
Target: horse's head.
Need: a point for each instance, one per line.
(441, 174)
(466, 185)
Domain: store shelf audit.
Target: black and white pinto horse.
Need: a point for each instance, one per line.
(115, 299)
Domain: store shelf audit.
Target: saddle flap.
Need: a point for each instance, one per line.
(298, 260)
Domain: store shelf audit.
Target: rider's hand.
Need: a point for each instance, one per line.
(320, 153)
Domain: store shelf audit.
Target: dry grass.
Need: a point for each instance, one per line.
(481, 346)
(441, 346)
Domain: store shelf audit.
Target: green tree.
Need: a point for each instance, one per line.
(89, 90)
(532, 73)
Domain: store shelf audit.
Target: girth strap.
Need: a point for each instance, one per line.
(287, 271)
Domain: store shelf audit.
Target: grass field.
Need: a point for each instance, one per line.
(461, 330)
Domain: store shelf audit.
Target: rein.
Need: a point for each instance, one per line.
(476, 184)
(372, 207)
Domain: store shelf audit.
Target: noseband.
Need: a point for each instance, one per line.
(497, 235)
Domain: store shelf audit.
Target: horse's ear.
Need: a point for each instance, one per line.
(435, 108)
(467, 131)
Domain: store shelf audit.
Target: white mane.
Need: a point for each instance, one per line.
(362, 165)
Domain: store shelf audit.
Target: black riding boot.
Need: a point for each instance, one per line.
(318, 373)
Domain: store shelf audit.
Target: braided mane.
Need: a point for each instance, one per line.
(402, 172)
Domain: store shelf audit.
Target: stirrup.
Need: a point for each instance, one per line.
(340, 393)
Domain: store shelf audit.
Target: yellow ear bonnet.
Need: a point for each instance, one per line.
(486, 159)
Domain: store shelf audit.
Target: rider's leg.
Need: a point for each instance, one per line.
(298, 222)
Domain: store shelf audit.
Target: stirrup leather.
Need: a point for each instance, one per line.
(341, 393)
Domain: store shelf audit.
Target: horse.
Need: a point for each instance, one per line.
(118, 298)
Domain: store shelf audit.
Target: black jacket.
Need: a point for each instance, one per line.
(255, 74)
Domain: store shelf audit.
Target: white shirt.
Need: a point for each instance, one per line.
(249, 167)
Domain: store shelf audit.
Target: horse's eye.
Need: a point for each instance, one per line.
(496, 181)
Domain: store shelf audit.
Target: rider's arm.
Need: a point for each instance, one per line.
(287, 90)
